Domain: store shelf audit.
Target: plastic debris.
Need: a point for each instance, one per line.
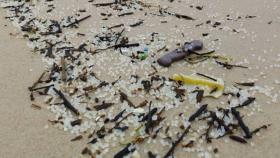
(211, 88)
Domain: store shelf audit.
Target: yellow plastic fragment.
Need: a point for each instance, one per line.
(211, 88)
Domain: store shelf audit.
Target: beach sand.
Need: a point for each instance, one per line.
(26, 133)
(23, 132)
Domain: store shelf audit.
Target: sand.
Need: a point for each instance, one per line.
(24, 133)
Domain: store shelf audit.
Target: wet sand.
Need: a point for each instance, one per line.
(24, 134)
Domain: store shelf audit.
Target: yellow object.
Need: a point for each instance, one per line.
(211, 88)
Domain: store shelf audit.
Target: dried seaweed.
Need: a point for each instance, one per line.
(143, 103)
(200, 111)
(116, 26)
(154, 136)
(63, 70)
(125, 151)
(87, 151)
(114, 82)
(118, 37)
(151, 155)
(37, 82)
(118, 116)
(137, 23)
(179, 92)
(154, 72)
(35, 106)
(190, 144)
(123, 128)
(103, 4)
(238, 139)
(76, 122)
(241, 123)
(248, 84)
(40, 88)
(148, 124)
(175, 144)
(150, 113)
(78, 21)
(147, 85)
(199, 95)
(103, 106)
(101, 133)
(181, 16)
(220, 122)
(92, 88)
(125, 14)
(247, 102)
(207, 137)
(67, 104)
(77, 138)
(206, 76)
(260, 128)
(124, 97)
(230, 66)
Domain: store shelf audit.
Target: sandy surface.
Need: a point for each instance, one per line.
(23, 132)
